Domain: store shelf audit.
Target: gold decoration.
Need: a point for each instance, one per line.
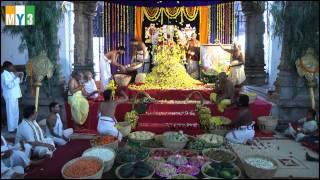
(41, 67)
(308, 67)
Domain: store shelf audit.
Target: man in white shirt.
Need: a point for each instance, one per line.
(29, 131)
(11, 93)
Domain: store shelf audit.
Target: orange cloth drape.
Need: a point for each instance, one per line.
(138, 24)
(204, 13)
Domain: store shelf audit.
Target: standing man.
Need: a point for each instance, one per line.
(193, 55)
(111, 58)
(10, 81)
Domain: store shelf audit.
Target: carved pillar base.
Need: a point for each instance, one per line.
(255, 75)
(291, 97)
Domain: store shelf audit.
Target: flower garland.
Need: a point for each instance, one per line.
(153, 14)
(172, 13)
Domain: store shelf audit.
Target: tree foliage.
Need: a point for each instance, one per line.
(298, 23)
(44, 34)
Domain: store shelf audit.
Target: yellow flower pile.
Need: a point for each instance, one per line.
(169, 73)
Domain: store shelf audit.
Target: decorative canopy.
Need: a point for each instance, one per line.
(167, 3)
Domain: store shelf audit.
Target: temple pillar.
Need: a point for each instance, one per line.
(83, 56)
(254, 53)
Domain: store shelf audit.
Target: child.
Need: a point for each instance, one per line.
(309, 126)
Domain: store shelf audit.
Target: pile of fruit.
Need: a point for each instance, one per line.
(177, 160)
(221, 170)
(187, 153)
(166, 170)
(176, 136)
(141, 135)
(199, 145)
(155, 161)
(188, 169)
(125, 155)
(103, 140)
(132, 117)
(82, 168)
(165, 153)
(135, 170)
(212, 139)
(219, 155)
(198, 160)
(204, 115)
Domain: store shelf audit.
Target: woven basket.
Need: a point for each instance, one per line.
(143, 107)
(204, 152)
(134, 67)
(113, 145)
(107, 164)
(122, 79)
(209, 177)
(97, 175)
(192, 93)
(125, 128)
(258, 173)
(267, 124)
(173, 145)
(142, 142)
(118, 175)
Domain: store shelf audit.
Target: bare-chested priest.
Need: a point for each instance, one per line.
(224, 92)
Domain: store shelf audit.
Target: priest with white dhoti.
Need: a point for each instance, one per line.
(10, 84)
(14, 158)
(30, 131)
(244, 132)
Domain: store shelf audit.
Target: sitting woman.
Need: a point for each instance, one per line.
(244, 131)
(78, 103)
(305, 128)
(55, 127)
(14, 159)
(29, 131)
(90, 89)
(107, 121)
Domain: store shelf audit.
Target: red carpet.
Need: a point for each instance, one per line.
(52, 168)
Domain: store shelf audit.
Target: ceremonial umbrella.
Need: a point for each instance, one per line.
(39, 67)
(308, 67)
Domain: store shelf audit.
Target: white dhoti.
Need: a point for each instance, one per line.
(18, 157)
(238, 75)
(59, 133)
(30, 131)
(106, 126)
(105, 72)
(241, 135)
(60, 141)
(8, 172)
(12, 109)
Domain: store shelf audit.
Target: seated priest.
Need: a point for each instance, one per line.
(54, 127)
(29, 131)
(224, 92)
(78, 103)
(90, 89)
(243, 133)
(14, 159)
